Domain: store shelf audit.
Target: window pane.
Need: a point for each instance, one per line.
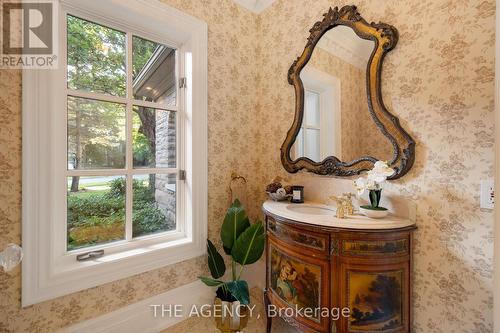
(312, 109)
(153, 67)
(96, 58)
(300, 143)
(96, 134)
(154, 204)
(96, 210)
(154, 138)
(312, 144)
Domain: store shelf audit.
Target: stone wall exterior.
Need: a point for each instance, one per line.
(166, 153)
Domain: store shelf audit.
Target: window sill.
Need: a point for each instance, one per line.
(78, 276)
(124, 250)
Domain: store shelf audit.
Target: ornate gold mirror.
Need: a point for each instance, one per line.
(341, 125)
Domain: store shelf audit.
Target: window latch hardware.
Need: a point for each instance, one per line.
(182, 82)
(90, 255)
(182, 174)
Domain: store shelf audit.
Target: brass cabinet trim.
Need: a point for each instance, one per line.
(334, 247)
(385, 37)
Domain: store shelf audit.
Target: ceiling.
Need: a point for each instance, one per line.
(343, 42)
(255, 6)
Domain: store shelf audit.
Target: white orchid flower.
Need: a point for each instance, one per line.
(363, 184)
(382, 168)
(360, 185)
(380, 172)
(374, 179)
(371, 184)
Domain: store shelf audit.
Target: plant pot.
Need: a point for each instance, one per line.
(230, 316)
(374, 213)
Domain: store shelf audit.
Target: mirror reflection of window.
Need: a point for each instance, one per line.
(308, 140)
(320, 131)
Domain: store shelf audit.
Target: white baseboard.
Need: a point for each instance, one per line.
(138, 317)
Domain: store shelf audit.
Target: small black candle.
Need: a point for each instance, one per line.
(297, 194)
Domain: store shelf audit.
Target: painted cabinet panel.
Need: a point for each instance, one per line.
(375, 300)
(314, 241)
(377, 296)
(375, 247)
(298, 282)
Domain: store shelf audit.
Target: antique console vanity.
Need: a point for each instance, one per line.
(341, 128)
(319, 261)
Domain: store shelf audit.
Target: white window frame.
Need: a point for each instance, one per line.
(329, 89)
(306, 126)
(49, 270)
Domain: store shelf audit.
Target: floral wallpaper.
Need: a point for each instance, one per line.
(231, 110)
(439, 81)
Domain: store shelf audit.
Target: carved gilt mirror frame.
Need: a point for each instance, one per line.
(385, 37)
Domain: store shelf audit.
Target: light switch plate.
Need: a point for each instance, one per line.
(487, 194)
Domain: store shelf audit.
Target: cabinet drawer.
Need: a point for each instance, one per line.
(392, 247)
(310, 240)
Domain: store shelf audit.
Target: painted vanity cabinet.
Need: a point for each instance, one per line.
(326, 269)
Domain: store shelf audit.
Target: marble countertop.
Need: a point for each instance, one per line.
(328, 219)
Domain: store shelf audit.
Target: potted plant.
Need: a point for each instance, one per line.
(244, 243)
(373, 183)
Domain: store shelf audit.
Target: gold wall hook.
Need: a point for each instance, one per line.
(241, 190)
(235, 176)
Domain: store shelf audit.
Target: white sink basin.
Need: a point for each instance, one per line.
(310, 209)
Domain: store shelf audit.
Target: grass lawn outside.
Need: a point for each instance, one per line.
(96, 213)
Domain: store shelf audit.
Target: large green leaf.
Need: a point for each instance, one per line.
(226, 250)
(215, 261)
(250, 245)
(239, 289)
(234, 224)
(210, 282)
